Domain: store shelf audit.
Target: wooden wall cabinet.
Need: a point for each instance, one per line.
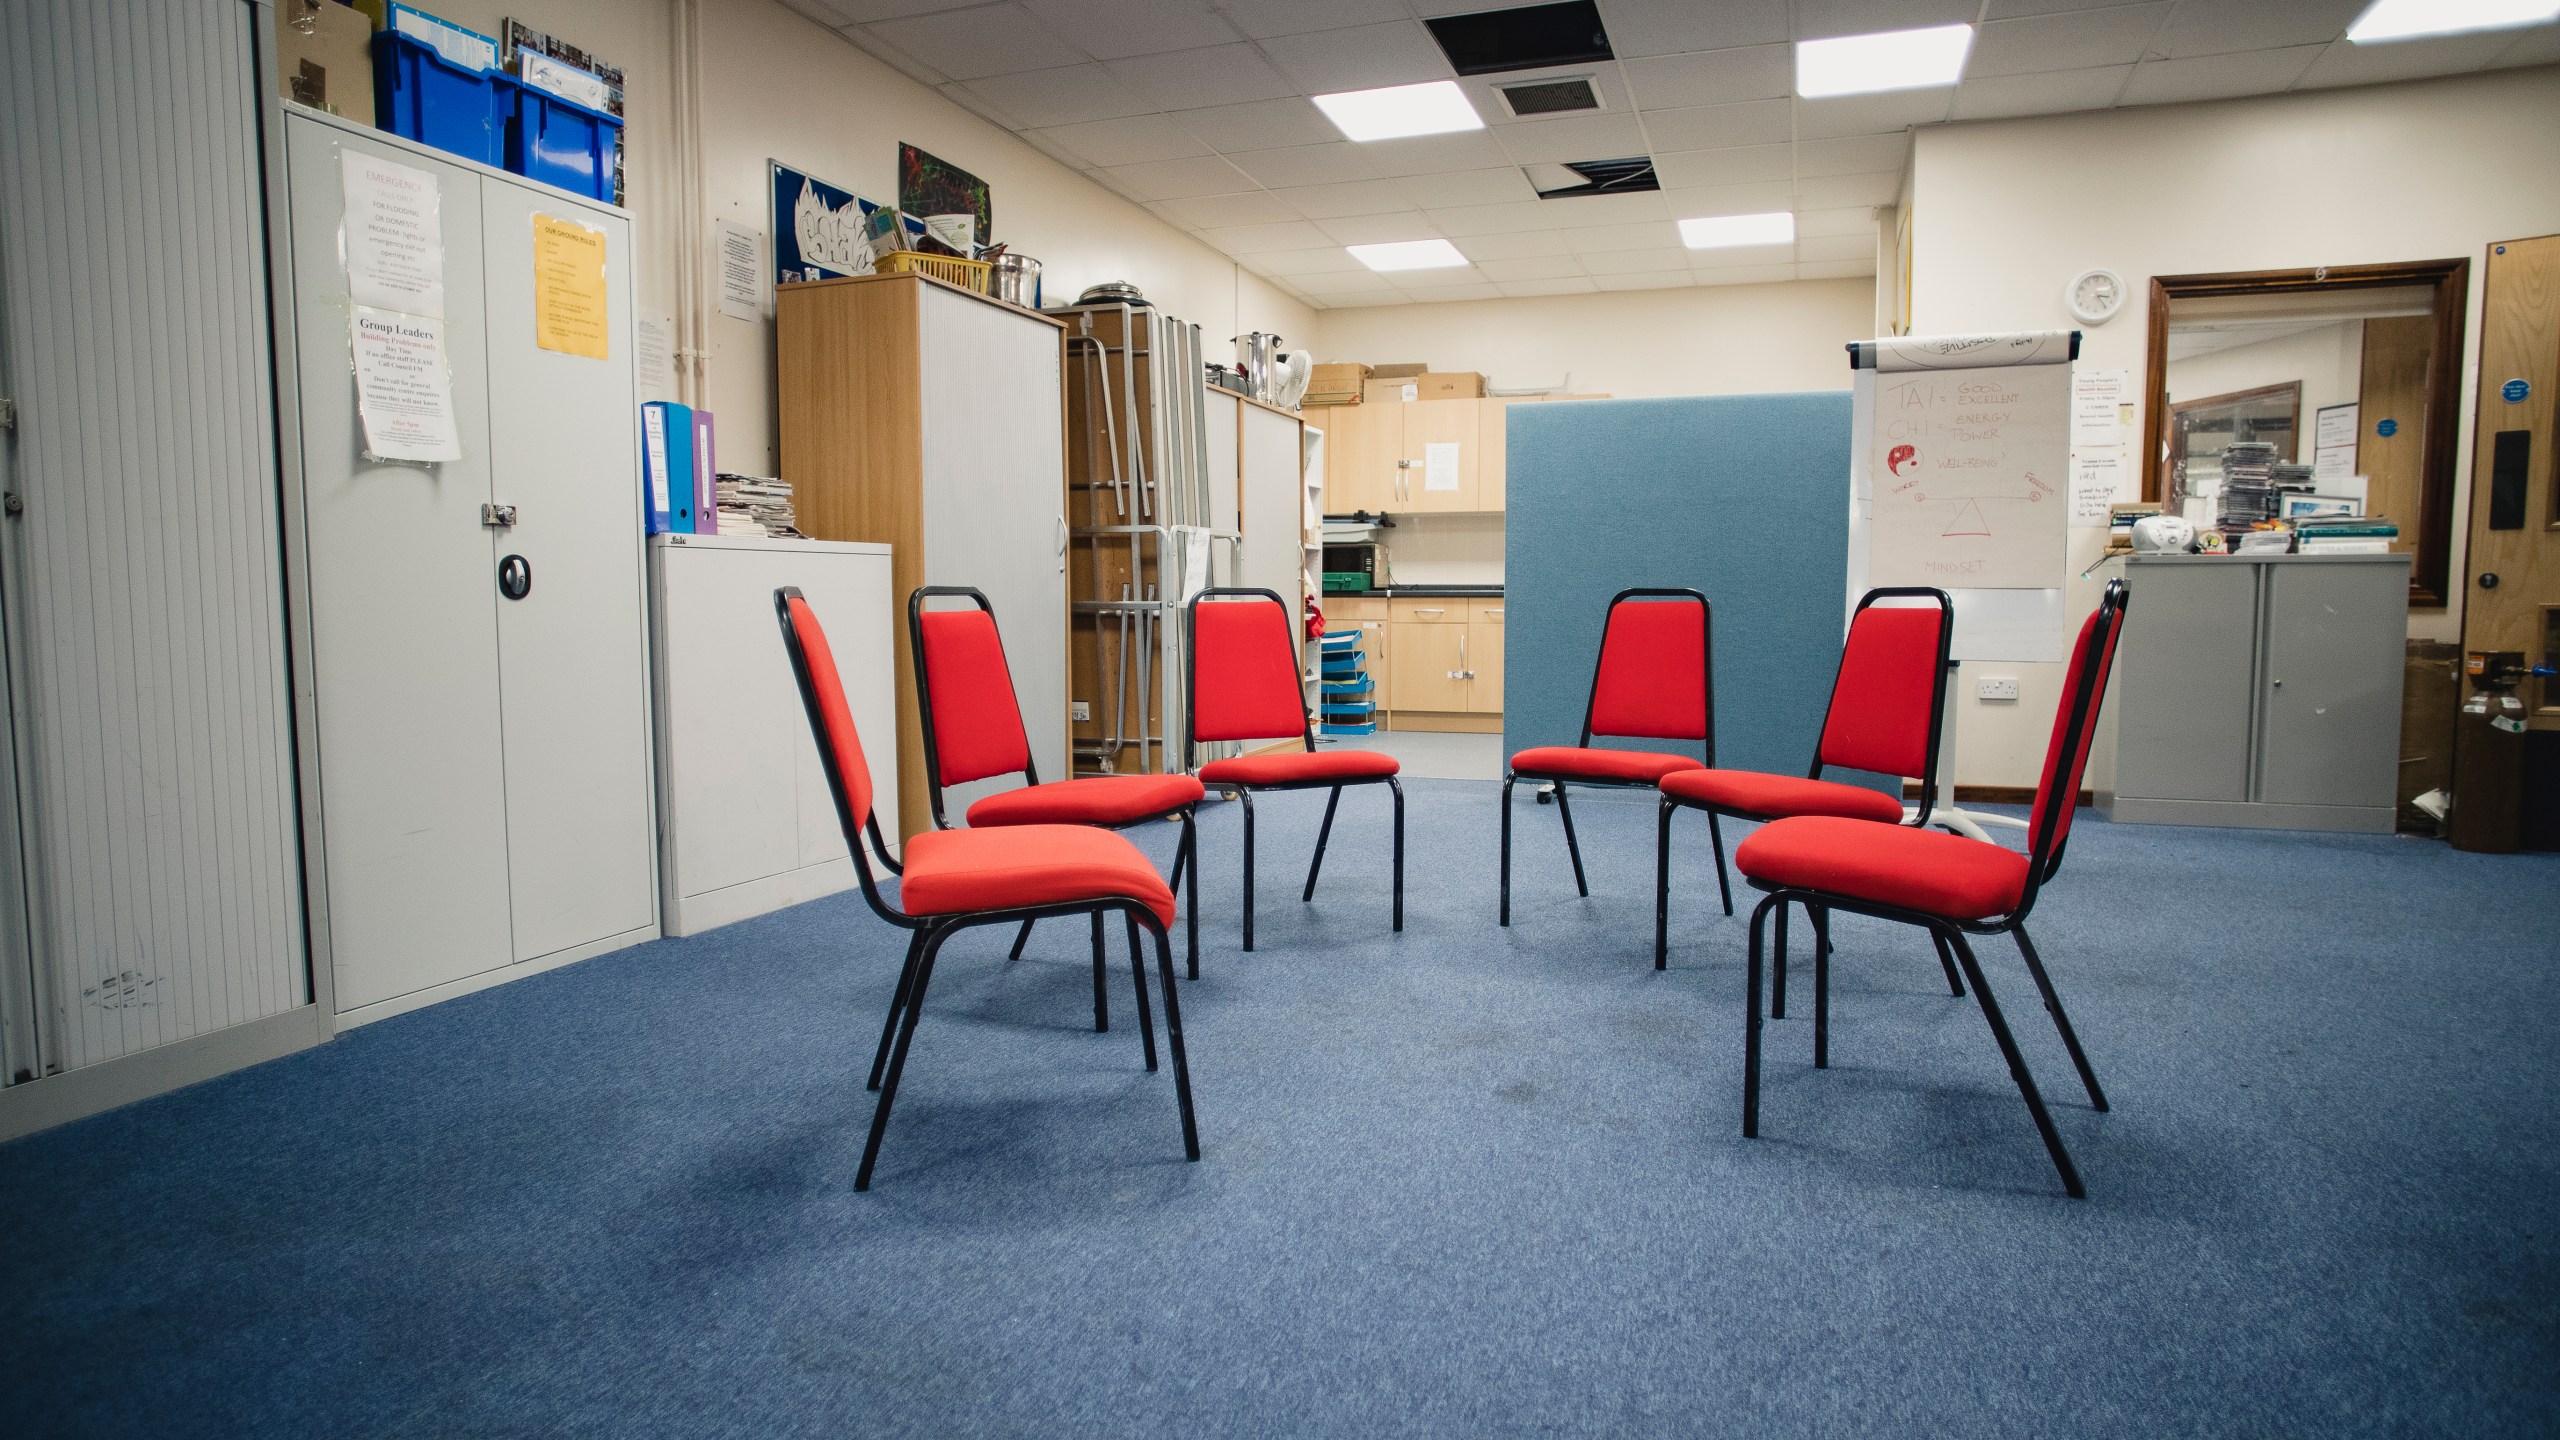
(1377, 455)
(1454, 429)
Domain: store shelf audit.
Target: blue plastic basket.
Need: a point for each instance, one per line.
(1330, 728)
(560, 142)
(421, 94)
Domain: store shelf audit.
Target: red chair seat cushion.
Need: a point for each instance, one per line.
(1637, 767)
(951, 872)
(1768, 797)
(1298, 767)
(1925, 870)
(1096, 800)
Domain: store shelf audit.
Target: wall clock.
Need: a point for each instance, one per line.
(2094, 296)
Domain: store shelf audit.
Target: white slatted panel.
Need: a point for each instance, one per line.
(146, 578)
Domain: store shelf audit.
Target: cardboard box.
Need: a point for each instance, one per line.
(324, 57)
(1448, 385)
(1336, 384)
(1403, 371)
(1388, 392)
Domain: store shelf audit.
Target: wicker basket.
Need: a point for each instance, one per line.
(969, 275)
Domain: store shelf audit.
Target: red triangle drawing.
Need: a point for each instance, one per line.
(1968, 521)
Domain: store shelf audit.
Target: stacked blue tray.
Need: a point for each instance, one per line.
(1345, 696)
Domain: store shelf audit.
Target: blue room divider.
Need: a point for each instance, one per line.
(1742, 497)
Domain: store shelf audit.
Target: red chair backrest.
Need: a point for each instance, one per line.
(1244, 672)
(848, 773)
(977, 721)
(2084, 691)
(1886, 696)
(1652, 680)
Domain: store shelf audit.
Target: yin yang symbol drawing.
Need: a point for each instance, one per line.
(1901, 458)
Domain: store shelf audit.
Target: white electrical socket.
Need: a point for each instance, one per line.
(1080, 710)
(1996, 687)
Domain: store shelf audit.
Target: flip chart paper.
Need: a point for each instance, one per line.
(1440, 465)
(402, 394)
(392, 235)
(1900, 353)
(568, 287)
(1968, 468)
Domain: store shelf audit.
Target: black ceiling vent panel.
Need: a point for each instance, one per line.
(1550, 97)
(1608, 177)
(1533, 38)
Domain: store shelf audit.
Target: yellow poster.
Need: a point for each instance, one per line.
(568, 287)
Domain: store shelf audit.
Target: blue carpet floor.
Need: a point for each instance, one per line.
(1457, 1182)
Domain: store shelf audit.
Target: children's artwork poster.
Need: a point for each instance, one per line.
(819, 230)
(955, 206)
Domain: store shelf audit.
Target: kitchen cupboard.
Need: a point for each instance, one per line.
(1445, 662)
(1451, 431)
(1378, 455)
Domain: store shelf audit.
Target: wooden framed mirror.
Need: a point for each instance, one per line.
(2346, 340)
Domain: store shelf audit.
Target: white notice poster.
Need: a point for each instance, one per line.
(401, 390)
(392, 234)
(1440, 465)
(653, 350)
(740, 297)
(2101, 408)
(2093, 487)
(2333, 426)
(1969, 470)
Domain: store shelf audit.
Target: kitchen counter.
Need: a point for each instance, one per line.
(1393, 591)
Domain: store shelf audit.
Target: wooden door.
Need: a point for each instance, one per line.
(1449, 430)
(1361, 446)
(1484, 655)
(2514, 601)
(1426, 667)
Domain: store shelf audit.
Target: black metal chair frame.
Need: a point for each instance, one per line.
(1245, 792)
(1564, 807)
(1715, 833)
(1030, 773)
(2044, 858)
(929, 932)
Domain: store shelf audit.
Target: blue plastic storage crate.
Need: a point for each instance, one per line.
(560, 142)
(432, 84)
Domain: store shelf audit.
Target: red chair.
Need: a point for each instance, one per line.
(1946, 884)
(1887, 701)
(953, 880)
(1655, 680)
(1241, 683)
(973, 730)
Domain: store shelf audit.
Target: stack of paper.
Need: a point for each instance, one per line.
(755, 505)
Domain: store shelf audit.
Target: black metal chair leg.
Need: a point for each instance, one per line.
(1947, 961)
(897, 1007)
(1190, 859)
(1397, 789)
(898, 1057)
(1751, 1026)
(2061, 1021)
(2017, 1066)
(1572, 846)
(1101, 1004)
(1821, 986)
(1662, 887)
(1778, 971)
(1724, 885)
(1138, 974)
(1173, 1040)
(1324, 832)
(1021, 938)
(1247, 797)
(1506, 847)
(1181, 856)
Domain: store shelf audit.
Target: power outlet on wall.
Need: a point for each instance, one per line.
(1996, 687)
(1080, 711)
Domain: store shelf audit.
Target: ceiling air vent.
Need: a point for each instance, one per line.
(1535, 37)
(1597, 177)
(1550, 97)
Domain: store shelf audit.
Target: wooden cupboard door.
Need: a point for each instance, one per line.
(1493, 449)
(1427, 610)
(1426, 669)
(1484, 664)
(1378, 658)
(1361, 446)
(1430, 424)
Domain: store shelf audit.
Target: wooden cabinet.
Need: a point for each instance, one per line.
(1362, 445)
(1450, 431)
(1447, 663)
(1484, 657)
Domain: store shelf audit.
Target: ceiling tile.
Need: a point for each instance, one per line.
(1111, 29)
(2537, 46)
(2051, 92)
(1067, 95)
(985, 40)
(1646, 280)
(1855, 155)
(1362, 281)
(1513, 247)
(1857, 220)
(1531, 267)
(1715, 77)
(2348, 64)
(895, 58)
(2216, 27)
(1629, 262)
(1741, 164)
(1575, 137)
(1245, 239)
(2218, 77)
(1690, 202)
(1836, 269)
(1252, 207)
(2013, 9)
(1562, 285)
(1297, 17)
(1744, 275)
(1442, 279)
(1872, 114)
(1380, 229)
(1322, 260)
(1671, 27)
(1832, 192)
(1729, 257)
(2080, 40)
(1355, 197)
(1331, 164)
(1433, 154)
(1820, 19)
(1365, 58)
(1494, 219)
(1192, 79)
(1585, 211)
(1608, 85)
(1123, 142)
(1632, 235)
(1179, 179)
(1476, 290)
(1715, 127)
(1259, 125)
(1836, 247)
(1467, 187)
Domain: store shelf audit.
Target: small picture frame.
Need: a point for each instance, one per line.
(2299, 506)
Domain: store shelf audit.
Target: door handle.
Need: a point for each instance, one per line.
(515, 577)
(499, 517)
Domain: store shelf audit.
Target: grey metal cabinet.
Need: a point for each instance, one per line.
(2261, 691)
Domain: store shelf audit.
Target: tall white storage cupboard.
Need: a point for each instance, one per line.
(482, 759)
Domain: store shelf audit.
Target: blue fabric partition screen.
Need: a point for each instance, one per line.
(1742, 497)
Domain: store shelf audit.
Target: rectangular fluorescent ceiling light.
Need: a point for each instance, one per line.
(1718, 232)
(1892, 60)
(2388, 20)
(1408, 255)
(1436, 108)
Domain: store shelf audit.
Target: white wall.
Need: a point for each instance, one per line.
(2005, 212)
(2327, 361)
